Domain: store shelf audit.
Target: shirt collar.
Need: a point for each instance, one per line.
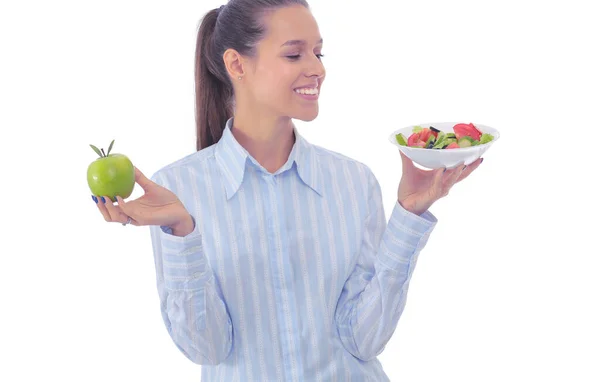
(232, 159)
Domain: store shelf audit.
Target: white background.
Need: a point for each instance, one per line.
(505, 290)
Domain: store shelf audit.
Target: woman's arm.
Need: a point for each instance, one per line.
(192, 307)
(374, 295)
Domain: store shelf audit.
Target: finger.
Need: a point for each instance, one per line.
(141, 179)
(132, 222)
(115, 212)
(470, 168)
(407, 163)
(135, 222)
(450, 174)
(456, 174)
(103, 210)
(120, 204)
(128, 210)
(450, 178)
(438, 183)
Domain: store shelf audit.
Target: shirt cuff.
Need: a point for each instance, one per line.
(184, 263)
(406, 234)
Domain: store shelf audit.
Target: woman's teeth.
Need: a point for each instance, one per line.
(312, 91)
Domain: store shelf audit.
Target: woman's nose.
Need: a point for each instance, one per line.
(316, 68)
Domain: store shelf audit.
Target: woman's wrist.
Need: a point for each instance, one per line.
(183, 227)
(412, 208)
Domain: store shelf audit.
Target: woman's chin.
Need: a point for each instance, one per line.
(307, 115)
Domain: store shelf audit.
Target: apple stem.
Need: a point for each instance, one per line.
(103, 152)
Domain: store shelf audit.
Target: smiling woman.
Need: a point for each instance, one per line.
(280, 266)
(248, 59)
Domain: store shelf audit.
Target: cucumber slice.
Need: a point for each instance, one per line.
(451, 135)
(449, 141)
(440, 141)
(434, 129)
(429, 140)
(401, 139)
(417, 129)
(465, 142)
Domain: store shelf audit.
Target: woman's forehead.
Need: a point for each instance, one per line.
(293, 25)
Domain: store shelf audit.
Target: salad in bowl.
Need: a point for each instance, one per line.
(444, 144)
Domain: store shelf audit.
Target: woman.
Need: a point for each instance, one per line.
(273, 258)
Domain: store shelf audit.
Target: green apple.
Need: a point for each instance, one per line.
(111, 175)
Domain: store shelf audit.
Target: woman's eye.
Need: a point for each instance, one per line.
(297, 56)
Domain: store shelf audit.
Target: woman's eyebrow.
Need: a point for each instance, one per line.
(298, 42)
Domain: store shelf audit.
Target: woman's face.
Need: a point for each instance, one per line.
(286, 74)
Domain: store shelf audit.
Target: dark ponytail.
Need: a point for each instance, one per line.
(237, 25)
(213, 94)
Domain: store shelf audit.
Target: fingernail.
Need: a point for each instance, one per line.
(464, 168)
(95, 199)
(444, 169)
(481, 161)
(103, 200)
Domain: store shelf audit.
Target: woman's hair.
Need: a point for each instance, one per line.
(237, 25)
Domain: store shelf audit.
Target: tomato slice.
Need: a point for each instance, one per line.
(412, 140)
(468, 130)
(479, 133)
(420, 143)
(453, 145)
(425, 133)
(460, 130)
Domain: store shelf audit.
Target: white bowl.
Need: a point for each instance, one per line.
(433, 158)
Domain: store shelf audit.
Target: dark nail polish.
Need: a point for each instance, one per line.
(103, 200)
(464, 167)
(444, 169)
(481, 161)
(95, 199)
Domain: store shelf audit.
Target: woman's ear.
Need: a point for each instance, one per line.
(234, 63)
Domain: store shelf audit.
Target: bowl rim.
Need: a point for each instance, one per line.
(492, 130)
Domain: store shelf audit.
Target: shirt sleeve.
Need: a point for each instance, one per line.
(192, 307)
(374, 295)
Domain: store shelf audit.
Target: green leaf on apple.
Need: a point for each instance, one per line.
(110, 147)
(97, 151)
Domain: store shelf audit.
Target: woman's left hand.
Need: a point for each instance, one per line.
(419, 189)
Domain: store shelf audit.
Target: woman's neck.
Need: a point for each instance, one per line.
(269, 140)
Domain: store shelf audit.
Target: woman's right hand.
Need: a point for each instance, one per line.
(158, 206)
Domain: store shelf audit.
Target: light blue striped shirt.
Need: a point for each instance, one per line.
(290, 276)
